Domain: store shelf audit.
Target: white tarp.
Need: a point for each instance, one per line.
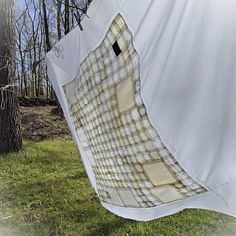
(149, 92)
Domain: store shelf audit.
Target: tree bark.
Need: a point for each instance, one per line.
(10, 135)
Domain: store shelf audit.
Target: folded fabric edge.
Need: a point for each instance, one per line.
(207, 201)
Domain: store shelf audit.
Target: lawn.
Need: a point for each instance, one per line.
(44, 191)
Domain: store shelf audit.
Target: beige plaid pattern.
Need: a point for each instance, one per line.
(132, 166)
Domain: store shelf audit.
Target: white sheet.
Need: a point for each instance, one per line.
(187, 51)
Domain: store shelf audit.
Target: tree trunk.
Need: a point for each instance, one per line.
(10, 135)
(48, 48)
(67, 17)
(59, 5)
(46, 28)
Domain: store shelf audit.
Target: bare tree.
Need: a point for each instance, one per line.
(10, 135)
(39, 25)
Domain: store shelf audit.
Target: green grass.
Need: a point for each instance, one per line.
(44, 190)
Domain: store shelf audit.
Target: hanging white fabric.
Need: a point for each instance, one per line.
(148, 89)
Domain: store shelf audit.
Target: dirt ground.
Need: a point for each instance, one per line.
(40, 123)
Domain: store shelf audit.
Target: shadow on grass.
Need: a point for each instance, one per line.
(61, 153)
(107, 228)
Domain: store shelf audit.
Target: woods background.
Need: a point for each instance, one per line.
(28, 30)
(39, 25)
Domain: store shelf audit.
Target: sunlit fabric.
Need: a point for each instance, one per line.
(148, 91)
